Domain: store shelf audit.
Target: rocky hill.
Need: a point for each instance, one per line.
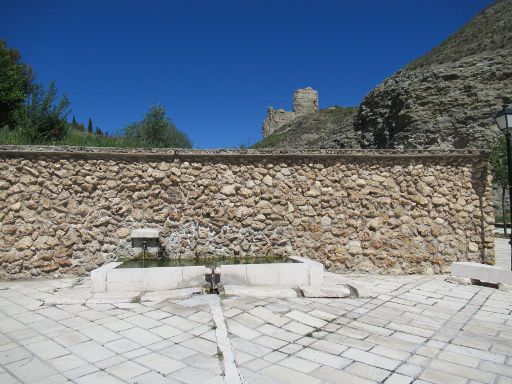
(449, 105)
(327, 128)
(444, 99)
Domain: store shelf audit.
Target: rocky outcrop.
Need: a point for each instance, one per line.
(448, 97)
(65, 211)
(449, 105)
(305, 101)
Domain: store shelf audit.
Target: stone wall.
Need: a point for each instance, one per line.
(67, 211)
(305, 101)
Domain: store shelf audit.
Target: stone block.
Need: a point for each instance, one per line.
(126, 280)
(293, 274)
(194, 276)
(263, 274)
(316, 274)
(99, 277)
(161, 279)
(98, 280)
(233, 274)
(482, 272)
(316, 270)
(144, 233)
(107, 279)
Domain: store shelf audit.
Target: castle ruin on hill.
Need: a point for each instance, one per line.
(305, 100)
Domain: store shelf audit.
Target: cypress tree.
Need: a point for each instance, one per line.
(89, 126)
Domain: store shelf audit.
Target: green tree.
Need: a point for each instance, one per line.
(157, 130)
(99, 132)
(43, 117)
(89, 126)
(498, 161)
(15, 84)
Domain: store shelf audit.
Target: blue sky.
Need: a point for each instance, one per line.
(217, 65)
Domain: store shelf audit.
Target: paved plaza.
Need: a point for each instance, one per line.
(403, 329)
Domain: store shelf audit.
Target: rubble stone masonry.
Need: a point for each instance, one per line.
(68, 210)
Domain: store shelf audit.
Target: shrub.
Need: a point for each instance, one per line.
(43, 118)
(157, 130)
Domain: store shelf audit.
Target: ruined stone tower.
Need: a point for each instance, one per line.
(305, 100)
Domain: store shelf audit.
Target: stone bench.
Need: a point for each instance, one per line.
(482, 272)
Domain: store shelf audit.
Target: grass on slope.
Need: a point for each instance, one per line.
(491, 30)
(74, 138)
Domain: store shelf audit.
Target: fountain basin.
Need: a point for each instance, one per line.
(212, 262)
(281, 272)
(299, 272)
(108, 278)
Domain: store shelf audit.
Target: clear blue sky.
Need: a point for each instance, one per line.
(217, 65)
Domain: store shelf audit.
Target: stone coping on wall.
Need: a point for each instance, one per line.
(166, 153)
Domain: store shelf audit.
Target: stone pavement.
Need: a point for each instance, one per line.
(169, 342)
(404, 329)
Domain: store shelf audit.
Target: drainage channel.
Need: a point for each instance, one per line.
(232, 374)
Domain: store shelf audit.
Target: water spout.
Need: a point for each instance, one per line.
(144, 249)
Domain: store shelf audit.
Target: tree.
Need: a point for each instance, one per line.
(99, 132)
(15, 84)
(89, 126)
(157, 130)
(43, 116)
(498, 161)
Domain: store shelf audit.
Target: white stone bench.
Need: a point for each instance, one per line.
(483, 272)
